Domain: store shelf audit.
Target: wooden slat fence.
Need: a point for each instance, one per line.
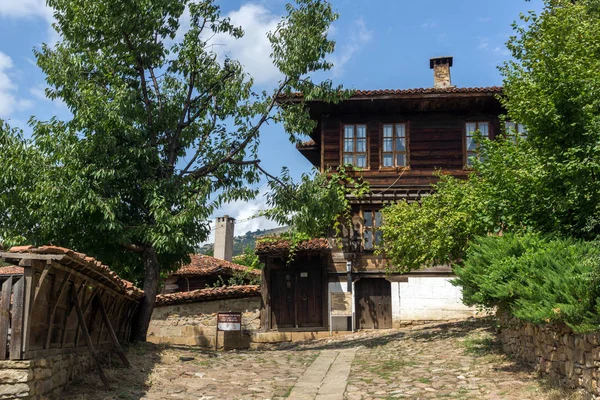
(39, 315)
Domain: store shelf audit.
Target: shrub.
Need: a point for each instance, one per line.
(535, 278)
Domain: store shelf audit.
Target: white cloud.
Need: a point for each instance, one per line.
(253, 49)
(25, 8)
(484, 44)
(243, 212)
(9, 103)
(361, 35)
(30, 9)
(429, 24)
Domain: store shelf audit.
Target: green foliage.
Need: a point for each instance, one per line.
(163, 130)
(552, 86)
(535, 278)
(314, 205)
(547, 183)
(249, 259)
(500, 195)
(239, 278)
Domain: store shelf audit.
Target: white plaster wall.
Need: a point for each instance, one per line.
(427, 299)
(339, 323)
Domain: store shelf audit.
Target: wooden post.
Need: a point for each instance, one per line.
(18, 308)
(88, 341)
(4, 316)
(112, 333)
(61, 290)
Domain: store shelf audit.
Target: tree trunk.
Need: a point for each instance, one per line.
(151, 275)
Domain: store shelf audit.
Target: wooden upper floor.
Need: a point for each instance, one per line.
(400, 138)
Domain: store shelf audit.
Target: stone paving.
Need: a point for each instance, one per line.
(454, 360)
(326, 378)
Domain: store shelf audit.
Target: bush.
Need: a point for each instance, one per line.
(535, 278)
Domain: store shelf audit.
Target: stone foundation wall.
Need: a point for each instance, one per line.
(42, 378)
(195, 323)
(555, 351)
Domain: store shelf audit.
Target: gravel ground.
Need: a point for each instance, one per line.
(455, 360)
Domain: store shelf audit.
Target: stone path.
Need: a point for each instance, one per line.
(444, 361)
(326, 378)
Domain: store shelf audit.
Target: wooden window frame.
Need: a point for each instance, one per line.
(367, 152)
(465, 137)
(517, 131)
(394, 152)
(373, 228)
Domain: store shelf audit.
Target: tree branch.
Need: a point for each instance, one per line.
(135, 247)
(142, 75)
(207, 169)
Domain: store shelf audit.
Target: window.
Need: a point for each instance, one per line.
(515, 130)
(355, 145)
(371, 233)
(394, 145)
(471, 146)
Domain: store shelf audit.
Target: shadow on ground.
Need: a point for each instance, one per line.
(425, 333)
(126, 383)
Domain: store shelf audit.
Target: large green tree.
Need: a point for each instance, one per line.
(548, 183)
(163, 130)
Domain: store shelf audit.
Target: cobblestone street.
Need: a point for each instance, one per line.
(455, 360)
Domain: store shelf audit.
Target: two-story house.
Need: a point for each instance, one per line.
(396, 139)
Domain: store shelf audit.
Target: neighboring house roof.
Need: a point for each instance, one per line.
(273, 245)
(307, 144)
(11, 270)
(208, 294)
(393, 93)
(78, 261)
(201, 265)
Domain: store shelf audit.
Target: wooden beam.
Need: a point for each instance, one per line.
(85, 310)
(112, 333)
(30, 283)
(4, 316)
(68, 311)
(88, 341)
(18, 308)
(61, 290)
(41, 281)
(30, 256)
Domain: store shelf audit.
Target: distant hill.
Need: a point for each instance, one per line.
(243, 241)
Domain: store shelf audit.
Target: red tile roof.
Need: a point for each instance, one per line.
(86, 265)
(201, 265)
(11, 270)
(272, 245)
(303, 145)
(208, 294)
(406, 92)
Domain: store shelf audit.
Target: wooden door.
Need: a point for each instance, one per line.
(309, 297)
(373, 303)
(282, 299)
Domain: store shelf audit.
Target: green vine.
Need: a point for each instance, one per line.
(313, 206)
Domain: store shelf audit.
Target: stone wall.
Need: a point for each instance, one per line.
(195, 323)
(554, 350)
(42, 378)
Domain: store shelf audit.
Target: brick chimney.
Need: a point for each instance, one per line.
(441, 72)
(224, 238)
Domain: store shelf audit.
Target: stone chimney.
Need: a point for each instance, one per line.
(441, 72)
(224, 238)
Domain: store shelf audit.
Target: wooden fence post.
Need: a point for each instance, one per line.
(5, 316)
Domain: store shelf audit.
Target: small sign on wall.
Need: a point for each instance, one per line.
(341, 304)
(229, 321)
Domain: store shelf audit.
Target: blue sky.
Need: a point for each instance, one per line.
(380, 44)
